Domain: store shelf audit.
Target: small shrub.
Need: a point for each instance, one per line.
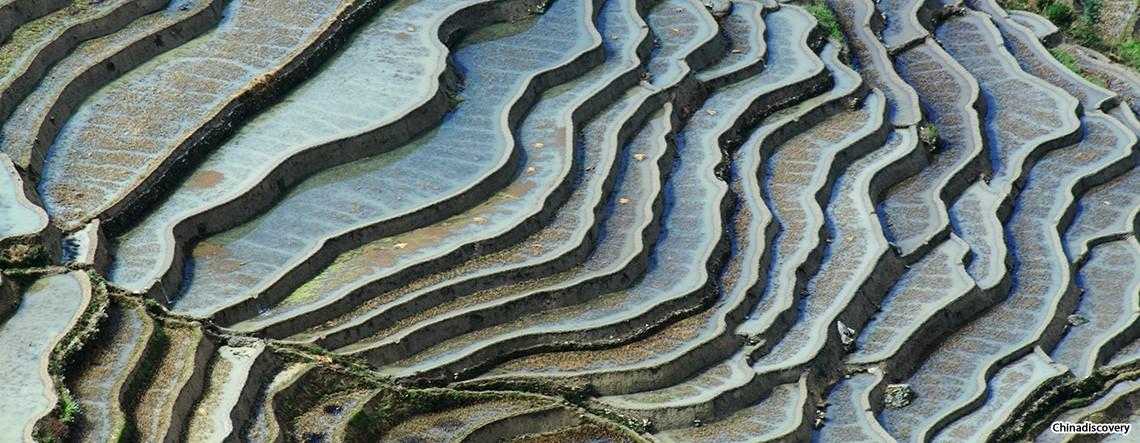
(68, 407)
(453, 99)
(1090, 11)
(928, 134)
(1059, 13)
(826, 18)
(24, 256)
(56, 427)
(1085, 34)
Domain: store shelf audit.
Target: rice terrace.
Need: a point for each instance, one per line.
(572, 221)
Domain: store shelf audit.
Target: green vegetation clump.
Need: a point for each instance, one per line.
(1066, 394)
(1081, 28)
(394, 405)
(85, 329)
(1059, 13)
(1065, 59)
(1090, 11)
(1128, 51)
(315, 386)
(143, 377)
(826, 18)
(56, 426)
(573, 393)
(69, 408)
(454, 99)
(928, 133)
(1071, 63)
(1084, 29)
(32, 34)
(353, 365)
(24, 256)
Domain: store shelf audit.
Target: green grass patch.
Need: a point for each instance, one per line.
(1079, 27)
(1127, 51)
(1066, 59)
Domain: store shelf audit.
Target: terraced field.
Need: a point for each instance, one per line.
(564, 221)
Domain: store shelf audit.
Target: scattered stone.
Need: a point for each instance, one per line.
(898, 395)
(538, 145)
(719, 8)
(399, 246)
(639, 156)
(624, 201)
(846, 336)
